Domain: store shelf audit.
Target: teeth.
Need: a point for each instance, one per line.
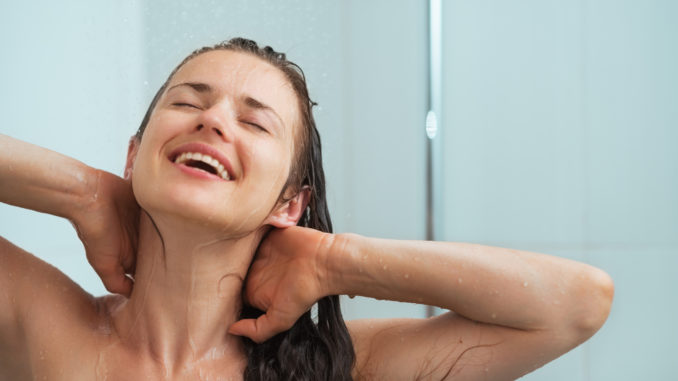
(186, 156)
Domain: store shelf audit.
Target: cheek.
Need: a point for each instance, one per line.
(145, 176)
(269, 164)
(142, 179)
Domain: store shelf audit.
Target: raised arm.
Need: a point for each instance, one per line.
(36, 178)
(512, 311)
(100, 205)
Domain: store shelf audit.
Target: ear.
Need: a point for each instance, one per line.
(132, 150)
(289, 213)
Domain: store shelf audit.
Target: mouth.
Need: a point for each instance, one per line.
(203, 162)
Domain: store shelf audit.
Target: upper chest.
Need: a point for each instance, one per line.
(86, 346)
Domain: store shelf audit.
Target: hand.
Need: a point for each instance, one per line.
(108, 228)
(287, 276)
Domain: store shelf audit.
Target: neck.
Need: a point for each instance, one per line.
(187, 293)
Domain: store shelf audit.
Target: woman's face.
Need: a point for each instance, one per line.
(241, 112)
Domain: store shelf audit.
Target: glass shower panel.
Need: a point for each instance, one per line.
(559, 126)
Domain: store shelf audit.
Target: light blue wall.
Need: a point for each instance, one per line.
(72, 80)
(561, 122)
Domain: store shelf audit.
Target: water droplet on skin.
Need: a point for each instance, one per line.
(460, 280)
(525, 284)
(351, 296)
(407, 276)
(385, 267)
(494, 316)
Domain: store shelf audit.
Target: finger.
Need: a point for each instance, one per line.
(260, 329)
(129, 263)
(116, 282)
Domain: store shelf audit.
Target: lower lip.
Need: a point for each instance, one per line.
(199, 173)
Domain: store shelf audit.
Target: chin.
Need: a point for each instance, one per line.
(177, 208)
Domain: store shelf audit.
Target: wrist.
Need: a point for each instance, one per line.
(86, 197)
(339, 260)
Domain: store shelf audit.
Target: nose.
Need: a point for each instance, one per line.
(214, 121)
(217, 130)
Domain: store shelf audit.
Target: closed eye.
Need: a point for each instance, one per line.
(185, 105)
(257, 126)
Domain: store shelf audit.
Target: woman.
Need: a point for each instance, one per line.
(214, 279)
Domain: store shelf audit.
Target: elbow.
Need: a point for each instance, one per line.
(595, 303)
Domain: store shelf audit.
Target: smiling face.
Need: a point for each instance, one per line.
(240, 114)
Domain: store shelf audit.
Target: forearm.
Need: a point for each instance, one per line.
(36, 178)
(507, 287)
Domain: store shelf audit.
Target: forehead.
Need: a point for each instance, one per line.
(236, 74)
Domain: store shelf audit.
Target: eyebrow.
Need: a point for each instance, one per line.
(248, 100)
(197, 86)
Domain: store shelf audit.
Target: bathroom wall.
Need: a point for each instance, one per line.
(72, 78)
(560, 121)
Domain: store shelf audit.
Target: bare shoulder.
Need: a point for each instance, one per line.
(34, 287)
(43, 310)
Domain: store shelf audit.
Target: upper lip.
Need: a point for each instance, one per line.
(204, 149)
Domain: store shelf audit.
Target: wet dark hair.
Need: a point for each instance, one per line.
(309, 350)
